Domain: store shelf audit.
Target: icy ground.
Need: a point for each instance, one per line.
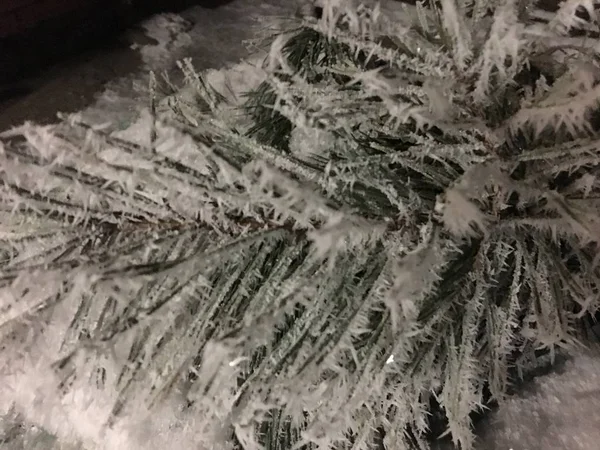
(555, 412)
(212, 38)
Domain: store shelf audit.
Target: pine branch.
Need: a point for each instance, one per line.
(310, 269)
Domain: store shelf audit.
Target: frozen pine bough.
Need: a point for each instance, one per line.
(402, 207)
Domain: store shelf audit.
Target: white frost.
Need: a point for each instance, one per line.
(558, 412)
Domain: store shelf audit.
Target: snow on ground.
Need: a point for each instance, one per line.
(172, 33)
(212, 38)
(560, 411)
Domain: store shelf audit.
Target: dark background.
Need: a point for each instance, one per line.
(51, 30)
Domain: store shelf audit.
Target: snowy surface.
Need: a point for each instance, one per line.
(557, 412)
(212, 38)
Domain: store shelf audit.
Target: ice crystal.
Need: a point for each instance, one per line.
(404, 203)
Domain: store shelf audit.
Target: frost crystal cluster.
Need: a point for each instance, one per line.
(403, 208)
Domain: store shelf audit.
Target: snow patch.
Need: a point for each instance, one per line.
(235, 81)
(171, 31)
(559, 412)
